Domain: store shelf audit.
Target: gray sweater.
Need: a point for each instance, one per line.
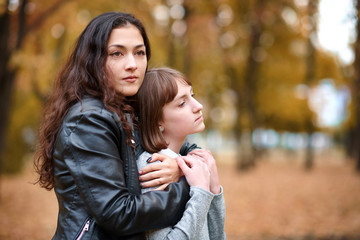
(203, 218)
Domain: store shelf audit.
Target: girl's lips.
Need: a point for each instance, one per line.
(199, 119)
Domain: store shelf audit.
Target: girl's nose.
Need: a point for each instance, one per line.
(197, 106)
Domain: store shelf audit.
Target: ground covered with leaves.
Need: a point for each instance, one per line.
(275, 200)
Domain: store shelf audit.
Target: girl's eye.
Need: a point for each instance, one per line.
(116, 54)
(182, 104)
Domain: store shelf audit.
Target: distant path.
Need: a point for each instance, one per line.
(269, 201)
(284, 200)
(26, 210)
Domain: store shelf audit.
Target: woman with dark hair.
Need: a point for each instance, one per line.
(168, 114)
(89, 140)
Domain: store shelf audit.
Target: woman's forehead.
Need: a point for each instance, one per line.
(124, 36)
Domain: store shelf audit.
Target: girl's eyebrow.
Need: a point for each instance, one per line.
(183, 96)
(180, 97)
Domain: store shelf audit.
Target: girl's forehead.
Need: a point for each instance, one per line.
(183, 87)
(182, 82)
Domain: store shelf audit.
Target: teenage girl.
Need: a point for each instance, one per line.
(168, 114)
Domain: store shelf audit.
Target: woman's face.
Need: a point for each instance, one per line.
(126, 60)
(182, 116)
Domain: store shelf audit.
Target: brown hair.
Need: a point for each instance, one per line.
(83, 75)
(158, 89)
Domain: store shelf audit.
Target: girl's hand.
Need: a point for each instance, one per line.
(160, 174)
(207, 158)
(196, 171)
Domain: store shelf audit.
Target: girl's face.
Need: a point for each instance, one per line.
(126, 60)
(182, 116)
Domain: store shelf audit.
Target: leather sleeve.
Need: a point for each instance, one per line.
(92, 154)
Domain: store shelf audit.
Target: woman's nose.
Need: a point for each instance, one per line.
(131, 62)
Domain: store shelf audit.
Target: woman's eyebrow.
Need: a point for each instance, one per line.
(123, 47)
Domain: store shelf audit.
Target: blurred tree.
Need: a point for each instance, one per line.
(271, 68)
(245, 60)
(251, 78)
(310, 77)
(356, 90)
(230, 19)
(36, 36)
(267, 59)
(16, 24)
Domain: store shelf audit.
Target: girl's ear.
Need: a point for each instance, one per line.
(161, 125)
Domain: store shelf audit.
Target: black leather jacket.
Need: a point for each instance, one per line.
(96, 180)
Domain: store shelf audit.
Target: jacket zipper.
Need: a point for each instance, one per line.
(85, 229)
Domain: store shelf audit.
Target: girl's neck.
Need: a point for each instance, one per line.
(175, 145)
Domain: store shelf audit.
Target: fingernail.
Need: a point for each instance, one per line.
(148, 160)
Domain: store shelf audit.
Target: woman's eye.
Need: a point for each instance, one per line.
(140, 52)
(116, 54)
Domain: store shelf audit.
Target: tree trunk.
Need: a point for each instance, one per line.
(250, 89)
(6, 80)
(309, 79)
(356, 91)
(243, 156)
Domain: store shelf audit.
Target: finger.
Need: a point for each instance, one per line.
(198, 157)
(150, 176)
(190, 160)
(200, 152)
(183, 164)
(204, 155)
(152, 183)
(157, 157)
(150, 168)
(197, 151)
(161, 187)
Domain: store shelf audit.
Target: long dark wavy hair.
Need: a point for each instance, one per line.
(83, 75)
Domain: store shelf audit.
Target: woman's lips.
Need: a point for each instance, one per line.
(130, 79)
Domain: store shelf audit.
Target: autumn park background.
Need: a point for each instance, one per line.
(282, 111)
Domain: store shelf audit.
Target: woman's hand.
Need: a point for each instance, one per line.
(196, 171)
(160, 174)
(207, 158)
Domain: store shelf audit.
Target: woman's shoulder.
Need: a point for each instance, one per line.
(90, 108)
(89, 105)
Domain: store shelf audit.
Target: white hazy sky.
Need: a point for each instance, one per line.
(337, 27)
